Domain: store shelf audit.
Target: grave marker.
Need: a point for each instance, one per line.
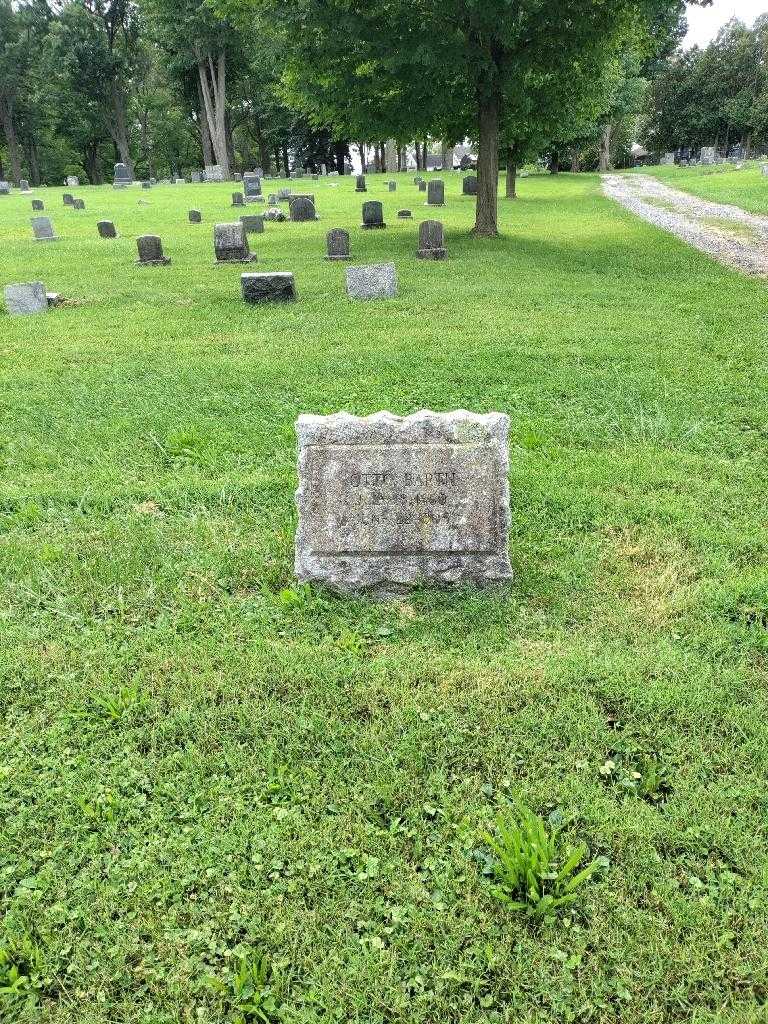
(274, 287)
(376, 281)
(106, 229)
(337, 245)
(151, 251)
(43, 229)
(373, 215)
(230, 242)
(436, 193)
(26, 299)
(253, 223)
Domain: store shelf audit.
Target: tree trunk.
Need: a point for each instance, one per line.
(511, 172)
(363, 165)
(202, 123)
(339, 154)
(748, 146)
(230, 142)
(488, 113)
(9, 129)
(554, 163)
(34, 163)
(444, 154)
(605, 148)
(261, 143)
(286, 161)
(213, 84)
(575, 161)
(119, 126)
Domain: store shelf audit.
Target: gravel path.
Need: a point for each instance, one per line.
(728, 233)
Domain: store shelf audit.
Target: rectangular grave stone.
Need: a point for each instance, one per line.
(5, 188)
(43, 229)
(708, 155)
(231, 244)
(146, 184)
(388, 502)
(253, 223)
(238, 199)
(38, 204)
(375, 281)
(436, 193)
(106, 229)
(24, 185)
(213, 172)
(151, 251)
(431, 241)
(251, 186)
(337, 245)
(469, 186)
(122, 176)
(73, 181)
(373, 215)
(274, 287)
(26, 299)
(195, 217)
(69, 200)
(360, 185)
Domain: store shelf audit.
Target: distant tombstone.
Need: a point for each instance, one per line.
(231, 244)
(274, 213)
(237, 176)
(38, 204)
(151, 251)
(273, 287)
(376, 281)
(196, 177)
(386, 502)
(78, 204)
(122, 176)
(764, 170)
(422, 186)
(24, 185)
(465, 163)
(323, 170)
(195, 217)
(253, 223)
(251, 186)
(43, 229)
(668, 158)
(302, 208)
(272, 199)
(707, 155)
(106, 229)
(392, 186)
(284, 193)
(360, 185)
(373, 215)
(436, 193)
(431, 241)
(337, 245)
(213, 172)
(237, 199)
(69, 200)
(5, 188)
(73, 181)
(469, 186)
(404, 214)
(146, 184)
(153, 181)
(26, 299)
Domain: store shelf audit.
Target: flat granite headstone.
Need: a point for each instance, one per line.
(43, 229)
(337, 245)
(230, 242)
(38, 204)
(436, 193)
(302, 208)
(360, 185)
(404, 214)
(469, 186)
(376, 281)
(431, 241)
(373, 215)
(151, 251)
(26, 299)
(106, 229)
(388, 502)
(195, 217)
(253, 223)
(273, 287)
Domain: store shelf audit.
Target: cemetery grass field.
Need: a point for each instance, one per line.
(720, 183)
(208, 770)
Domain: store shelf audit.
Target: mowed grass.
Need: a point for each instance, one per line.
(720, 183)
(202, 761)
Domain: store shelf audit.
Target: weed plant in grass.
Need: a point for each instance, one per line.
(208, 772)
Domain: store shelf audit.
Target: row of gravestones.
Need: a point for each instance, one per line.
(435, 188)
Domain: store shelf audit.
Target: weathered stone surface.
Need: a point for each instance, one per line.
(273, 287)
(251, 185)
(78, 204)
(373, 215)
(106, 229)
(238, 199)
(284, 193)
(151, 251)
(360, 185)
(253, 223)
(274, 213)
(230, 242)
(392, 186)
(388, 502)
(146, 184)
(272, 199)
(404, 214)
(196, 177)
(195, 217)
(337, 245)
(122, 175)
(376, 281)
(302, 208)
(422, 186)
(38, 204)
(69, 200)
(707, 154)
(469, 186)
(436, 193)
(26, 299)
(24, 185)
(431, 241)
(668, 158)
(213, 172)
(43, 229)
(5, 188)
(72, 181)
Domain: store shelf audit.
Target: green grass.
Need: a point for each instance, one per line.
(720, 183)
(210, 773)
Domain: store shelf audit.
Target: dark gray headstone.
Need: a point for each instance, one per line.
(106, 229)
(253, 223)
(24, 185)
(195, 217)
(78, 204)
(404, 214)
(26, 299)
(422, 186)
(5, 188)
(237, 199)
(231, 244)
(373, 215)
(122, 175)
(274, 287)
(337, 245)
(38, 204)
(251, 185)
(436, 193)
(360, 185)
(69, 200)
(377, 281)
(392, 186)
(151, 251)
(469, 186)
(302, 208)
(43, 229)
(431, 241)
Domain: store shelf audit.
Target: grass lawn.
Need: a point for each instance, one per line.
(202, 762)
(720, 183)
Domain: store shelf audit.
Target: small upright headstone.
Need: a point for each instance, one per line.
(404, 214)
(122, 176)
(274, 287)
(38, 204)
(69, 200)
(302, 208)
(24, 185)
(237, 176)
(274, 213)
(387, 502)
(337, 245)
(78, 204)
(360, 185)
(213, 172)
(469, 186)
(151, 251)
(146, 184)
(707, 155)
(26, 299)
(251, 186)
(422, 186)
(253, 223)
(73, 181)
(272, 199)
(43, 229)
(764, 170)
(668, 158)
(196, 177)
(373, 215)
(5, 188)
(392, 186)
(431, 241)
(377, 281)
(195, 217)
(436, 193)
(106, 229)
(283, 194)
(231, 244)
(237, 199)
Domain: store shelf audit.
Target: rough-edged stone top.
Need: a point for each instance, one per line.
(26, 299)
(387, 502)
